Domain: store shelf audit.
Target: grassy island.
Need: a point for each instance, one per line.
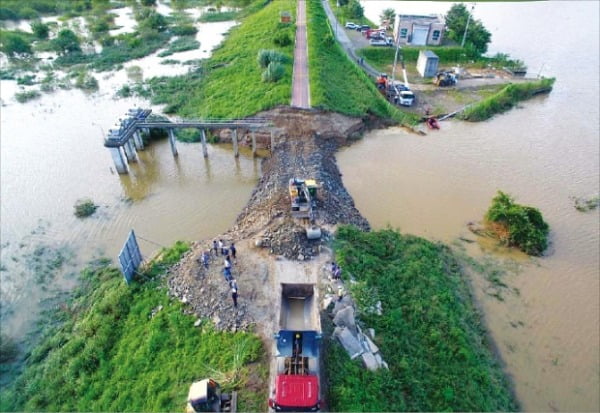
(517, 225)
(430, 334)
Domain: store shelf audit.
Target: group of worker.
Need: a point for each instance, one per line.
(229, 253)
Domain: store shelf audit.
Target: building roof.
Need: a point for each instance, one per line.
(431, 18)
(428, 54)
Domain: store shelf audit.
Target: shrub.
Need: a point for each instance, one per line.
(40, 30)
(184, 30)
(14, 44)
(85, 208)
(25, 96)
(265, 57)
(86, 81)
(26, 80)
(66, 42)
(274, 72)
(518, 225)
(282, 38)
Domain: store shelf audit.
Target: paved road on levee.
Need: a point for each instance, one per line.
(300, 88)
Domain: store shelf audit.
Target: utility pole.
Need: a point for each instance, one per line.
(462, 44)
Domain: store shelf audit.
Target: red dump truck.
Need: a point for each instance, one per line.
(296, 387)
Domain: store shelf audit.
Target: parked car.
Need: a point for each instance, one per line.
(363, 28)
(352, 26)
(378, 42)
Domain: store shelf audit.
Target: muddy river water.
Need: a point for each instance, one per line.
(543, 153)
(52, 154)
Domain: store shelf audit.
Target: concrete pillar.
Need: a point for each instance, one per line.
(120, 162)
(138, 141)
(204, 148)
(253, 142)
(172, 142)
(130, 151)
(236, 151)
(272, 143)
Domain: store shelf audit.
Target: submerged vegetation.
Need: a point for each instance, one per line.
(85, 208)
(586, 204)
(505, 99)
(123, 347)
(517, 225)
(429, 333)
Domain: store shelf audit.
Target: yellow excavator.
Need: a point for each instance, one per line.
(205, 396)
(303, 198)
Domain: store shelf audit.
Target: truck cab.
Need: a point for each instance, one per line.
(296, 385)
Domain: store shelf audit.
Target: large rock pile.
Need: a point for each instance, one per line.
(348, 332)
(207, 294)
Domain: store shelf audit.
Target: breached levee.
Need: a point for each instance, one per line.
(305, 145)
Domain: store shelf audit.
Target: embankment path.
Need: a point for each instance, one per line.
(300, 84)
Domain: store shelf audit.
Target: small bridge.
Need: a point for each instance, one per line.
(127, 138)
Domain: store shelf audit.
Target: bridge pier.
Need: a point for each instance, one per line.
(138, 141)
(236, 151)
(253, 142)
(120, 163)
(172, 142)
(204, 148)
(130, 151)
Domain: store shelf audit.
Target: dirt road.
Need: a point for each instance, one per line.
(300, 85)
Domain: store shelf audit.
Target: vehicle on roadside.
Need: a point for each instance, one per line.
(378, 42)
(351, 26)
(363, 28)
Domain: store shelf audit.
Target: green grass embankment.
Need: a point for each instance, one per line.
(131, 348)
(382, 58)
(430, 334)
(229, 84)
(338, 84)
(505, 99)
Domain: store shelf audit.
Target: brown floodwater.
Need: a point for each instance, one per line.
(52, 154)
(542, 153)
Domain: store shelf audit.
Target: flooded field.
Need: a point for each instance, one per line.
(543, 153)
(52, 154)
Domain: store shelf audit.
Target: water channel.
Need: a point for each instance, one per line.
(52, 154)
(543, 153)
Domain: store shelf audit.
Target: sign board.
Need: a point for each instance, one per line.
(130, 257)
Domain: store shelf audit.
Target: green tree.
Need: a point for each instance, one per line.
(13, 44)
(355, 10)
(40, 30)
(148, 3)
(66, 42)
(389, 15)
(456, 24)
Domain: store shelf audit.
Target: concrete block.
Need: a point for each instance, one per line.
(372, 346)
(371, 332)
(369, 361)
(345, 318)
(348, 341)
